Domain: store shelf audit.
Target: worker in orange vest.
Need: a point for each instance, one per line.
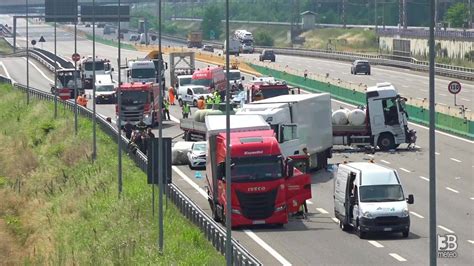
(171, 95)
(82, 100)
(200, 103)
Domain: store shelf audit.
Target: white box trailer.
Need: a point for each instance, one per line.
(299, 121)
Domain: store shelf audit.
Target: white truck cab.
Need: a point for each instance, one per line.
(141, 71)
(369, 198)
(105, 88)
(191, 93)
(183, 80)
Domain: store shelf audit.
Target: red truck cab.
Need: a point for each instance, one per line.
(265, 88)
(212, 78)
(265, 187)
(139, 102)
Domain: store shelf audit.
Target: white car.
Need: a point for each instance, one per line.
(197, 155)
(191, 94)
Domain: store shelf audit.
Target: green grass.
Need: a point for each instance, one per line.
(350, 40)
(62, 209)
(110, 42)
(5, 48)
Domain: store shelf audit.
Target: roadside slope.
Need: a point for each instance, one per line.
(58, 207)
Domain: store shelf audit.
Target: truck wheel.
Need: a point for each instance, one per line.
(386, 142)
(405, 233)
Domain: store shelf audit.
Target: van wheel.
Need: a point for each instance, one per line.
(405, 233)
(362, 235)
(344, 227)
(180, 102)
(386, 142)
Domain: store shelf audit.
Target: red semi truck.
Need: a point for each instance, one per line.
(266, 187)
(139, 101)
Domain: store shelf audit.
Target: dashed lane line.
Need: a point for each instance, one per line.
(249, 233)
(437, 153)
(335, 219)
(383, 161)
(417, 215)
(446, 229)
(464, 99)
(375, 244)
(309, 202)
(424, 178)
(405, 170)
(322, 211)
(471, 241)
(452, 190)
(456, 160)
(397, 257)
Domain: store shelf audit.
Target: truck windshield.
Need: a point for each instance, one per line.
(134, 97)
(256, 169)
(99, 66)
(184, 81)
(105, 88)
(381, 193)
(269, 93)
(202, 82)
(234, 76)
(143, 73)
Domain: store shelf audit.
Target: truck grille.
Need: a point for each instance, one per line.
(132, 113)
(257, 206)
(387, 220)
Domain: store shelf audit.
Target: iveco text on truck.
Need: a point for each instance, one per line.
(265, 187)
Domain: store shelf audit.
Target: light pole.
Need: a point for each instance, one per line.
(160, 138)
(228, 177)
(75, 78)
(119, 104)
(27, 59)
(55, 66)
(94, 122)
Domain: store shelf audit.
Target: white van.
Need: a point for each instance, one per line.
(104, 88)
(369, 198)
(191, 94)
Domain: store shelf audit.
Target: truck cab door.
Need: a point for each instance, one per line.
(375, 112)
(298, 187)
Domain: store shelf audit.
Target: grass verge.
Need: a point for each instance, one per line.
(110, 42)
(5, 47)
(59, 208)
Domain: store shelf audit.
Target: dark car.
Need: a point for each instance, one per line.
(208, 48)
(267, 55)
(360, 66)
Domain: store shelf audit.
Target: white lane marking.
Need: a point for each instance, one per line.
(464, 99)
(370, 155)
(405, 170)
(309, 202)
(335, 219)
(417, 125)
(267, 247)
(39, 70)
(424, 178)
(417, 215)
(383, 161)
(471, 241)
(249, 233)
(453, 190)
(6, 72)
(397, 257)
(472, 198)
(456, 160)
(405, 86)
(437, 153)
(446, 229)
(375, 244)
(423, 90)
(322, 211)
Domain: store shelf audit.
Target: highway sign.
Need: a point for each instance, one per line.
(76, 57)
(33, 42)
(454, 87)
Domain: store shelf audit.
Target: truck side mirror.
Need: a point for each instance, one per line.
(410, 199)
(290, 167)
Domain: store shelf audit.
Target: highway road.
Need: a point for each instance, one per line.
(318, 240)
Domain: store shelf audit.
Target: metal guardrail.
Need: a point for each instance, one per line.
(213, 231)
(378, 59)
(421, 33)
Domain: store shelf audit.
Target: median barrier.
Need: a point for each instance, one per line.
(449, 119)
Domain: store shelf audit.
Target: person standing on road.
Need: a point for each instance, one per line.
(128, 129)
(200, 103)
(82, 100)
(141, 126)
(166, 110)
(186, 110)
(171, 95)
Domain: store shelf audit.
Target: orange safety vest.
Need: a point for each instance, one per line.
(82, 101)
(200, 104)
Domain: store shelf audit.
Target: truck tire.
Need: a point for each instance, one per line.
(406, 233)
(386, 142)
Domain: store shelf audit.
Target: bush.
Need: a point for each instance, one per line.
(263, 39)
